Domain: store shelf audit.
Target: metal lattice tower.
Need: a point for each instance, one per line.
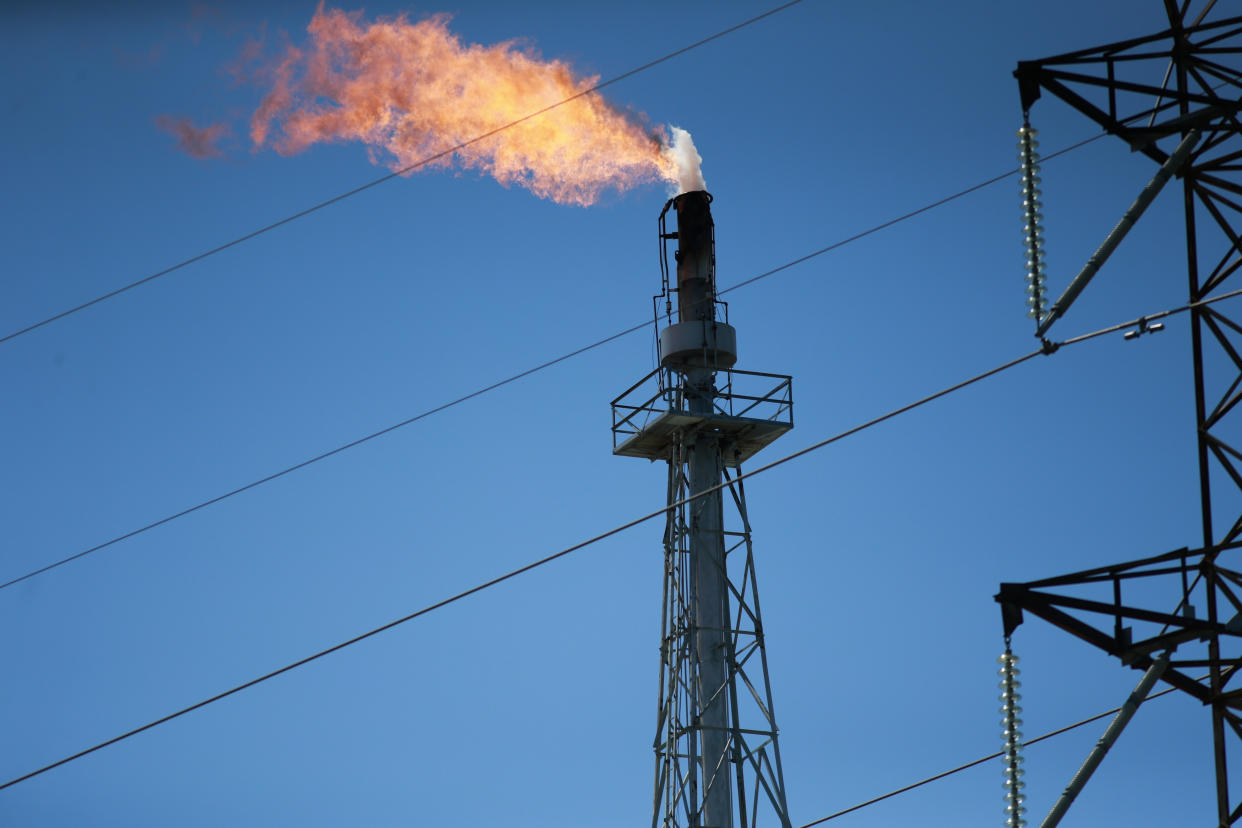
(718, 762)
(1172, 89)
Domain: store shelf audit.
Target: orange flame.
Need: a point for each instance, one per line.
(414, 91)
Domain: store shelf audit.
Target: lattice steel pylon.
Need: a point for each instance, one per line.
(718, 760)
(1156, 92)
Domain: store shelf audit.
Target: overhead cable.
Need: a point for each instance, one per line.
(423, 162)
(520, 375)
(324, 456)
(403, 171)
(1048, 348)
(969, 765)
(514, 573)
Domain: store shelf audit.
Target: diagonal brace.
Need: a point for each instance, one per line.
(1144, 200)
(1098, 752)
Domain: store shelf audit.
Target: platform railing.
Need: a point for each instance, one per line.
(743, 394)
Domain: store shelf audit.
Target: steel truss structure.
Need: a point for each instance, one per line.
(718, 762)
(1200, 623)
(684, 783)
(1152, 92)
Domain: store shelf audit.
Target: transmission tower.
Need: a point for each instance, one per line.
(1173, 96)
(718, 763)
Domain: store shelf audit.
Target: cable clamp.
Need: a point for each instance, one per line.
(1144, 327)
(1047, 346)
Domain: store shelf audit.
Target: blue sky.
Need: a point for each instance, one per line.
(534, 703)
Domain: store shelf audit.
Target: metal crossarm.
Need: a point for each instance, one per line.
(1152, 92)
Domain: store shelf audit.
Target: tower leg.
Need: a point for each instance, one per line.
(717, 755)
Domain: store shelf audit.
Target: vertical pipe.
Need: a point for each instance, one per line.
(711, 631)
(696, 257)
(709, 582)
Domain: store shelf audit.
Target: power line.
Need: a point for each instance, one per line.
(969, 765)
(933, 205)
(1048, 348)
(437, 156)
(513, 378)
(390, 176)
(906, 216)
(324, 456)
(514, 573)
(409, 420)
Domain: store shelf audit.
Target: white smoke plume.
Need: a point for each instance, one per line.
(689, 163)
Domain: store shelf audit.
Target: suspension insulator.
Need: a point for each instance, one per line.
(1012, 736)
(1033, 218)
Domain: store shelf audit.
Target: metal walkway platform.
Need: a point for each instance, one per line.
(751, 421)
